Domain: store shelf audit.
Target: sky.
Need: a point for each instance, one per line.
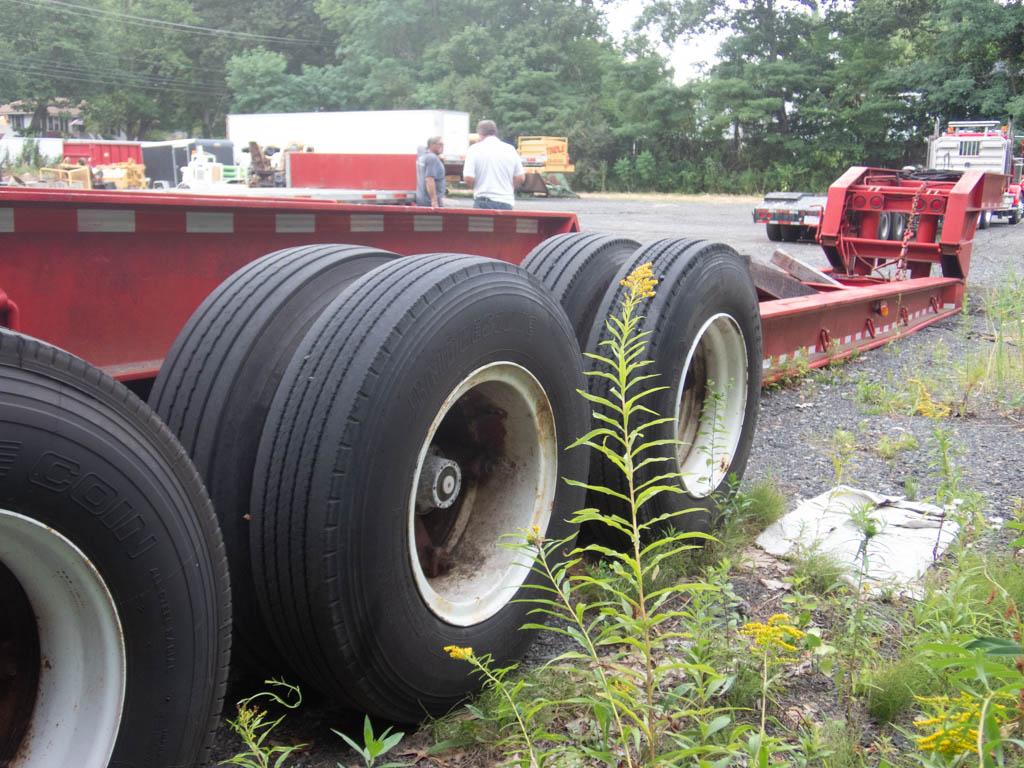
(686, 56)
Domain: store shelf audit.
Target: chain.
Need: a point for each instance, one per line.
(909, 233)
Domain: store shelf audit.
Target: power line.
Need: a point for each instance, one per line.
(143, 77)
(32, 69)
(171, 26)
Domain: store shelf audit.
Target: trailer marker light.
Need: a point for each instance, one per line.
(427, 224)
(876, 202)
(859, 201)
(294, 223)
(361, 222)
(921, 204)
(937, 204)
(881, 308)
(205, 222)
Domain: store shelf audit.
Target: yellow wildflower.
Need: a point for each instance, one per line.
(534, 537)
(641, 281)
(776, 634)
(462, 654)
(953, 723)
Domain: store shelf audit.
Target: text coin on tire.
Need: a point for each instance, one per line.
(111, 555)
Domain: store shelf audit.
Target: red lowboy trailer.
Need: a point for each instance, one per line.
(367, 423)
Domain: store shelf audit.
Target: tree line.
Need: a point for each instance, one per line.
(801, 89)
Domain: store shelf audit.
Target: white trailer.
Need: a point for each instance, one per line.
(381, 132)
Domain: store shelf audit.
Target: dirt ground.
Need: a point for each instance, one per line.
(793, 430)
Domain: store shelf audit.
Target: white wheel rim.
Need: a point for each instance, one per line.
(709, 428)
(515, 496)
(80, 693)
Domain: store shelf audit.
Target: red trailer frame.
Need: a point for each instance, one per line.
(113, 276)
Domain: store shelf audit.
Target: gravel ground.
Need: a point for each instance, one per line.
(796, 423)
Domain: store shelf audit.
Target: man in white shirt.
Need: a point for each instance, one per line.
(493, 169)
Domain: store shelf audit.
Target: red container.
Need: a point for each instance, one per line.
(102, 152)
(325, 170)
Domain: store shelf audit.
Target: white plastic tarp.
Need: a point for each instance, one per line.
(911, 534)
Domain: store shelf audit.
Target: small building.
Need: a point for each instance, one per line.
(63, 119)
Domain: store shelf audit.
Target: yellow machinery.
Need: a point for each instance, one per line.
(66, 175)
(546, 161)
(546, 154)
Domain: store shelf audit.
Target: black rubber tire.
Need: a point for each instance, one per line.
(884, 226)
(698, 280)
(216, 384)
(577, 269)
(774, 232)
(790, 232)
(984, 219)
(331, 492)
(899, 227)
(84, 456)
(1015, 216)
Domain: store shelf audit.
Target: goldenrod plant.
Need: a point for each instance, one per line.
(254, 727)
(643, 682)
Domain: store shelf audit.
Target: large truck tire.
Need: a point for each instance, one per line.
(774, 232)
(422, 419)
(984, 219)
(790, 232)
(114, 594)
(1017, 214)
(884, 230)
(215, 387)
(577, 269)
(705, 343)
(899, 226)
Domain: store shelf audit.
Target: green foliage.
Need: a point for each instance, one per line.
(891, 688)
(253, 726)
(373, 746)
(889, 447)
(800, 90)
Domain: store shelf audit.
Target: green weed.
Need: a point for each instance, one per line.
(889, 447)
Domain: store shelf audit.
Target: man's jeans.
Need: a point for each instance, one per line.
(494, 205)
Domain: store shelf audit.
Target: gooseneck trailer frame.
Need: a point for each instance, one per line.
(112, 276)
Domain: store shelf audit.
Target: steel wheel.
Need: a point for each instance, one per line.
(468, 508)
(712, 401)
(71, 630)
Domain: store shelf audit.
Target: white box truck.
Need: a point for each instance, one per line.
(381, 132)
(983, 145)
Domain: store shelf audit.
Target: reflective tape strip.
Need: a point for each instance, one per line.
(198, 222)
(847, 339)
(811, 350)
(6, 219)
(526, 226)
(766, 363)
(364, 222)
(782, 358)
(481, 224)
(427, 224)
(949, 306)
(103, 220)
(295, 222)
(858, 336)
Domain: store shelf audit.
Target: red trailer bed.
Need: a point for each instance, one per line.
(112, 276)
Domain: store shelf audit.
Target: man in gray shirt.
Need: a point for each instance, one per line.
(430, 175)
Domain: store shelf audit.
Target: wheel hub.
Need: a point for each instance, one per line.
(440, 483)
